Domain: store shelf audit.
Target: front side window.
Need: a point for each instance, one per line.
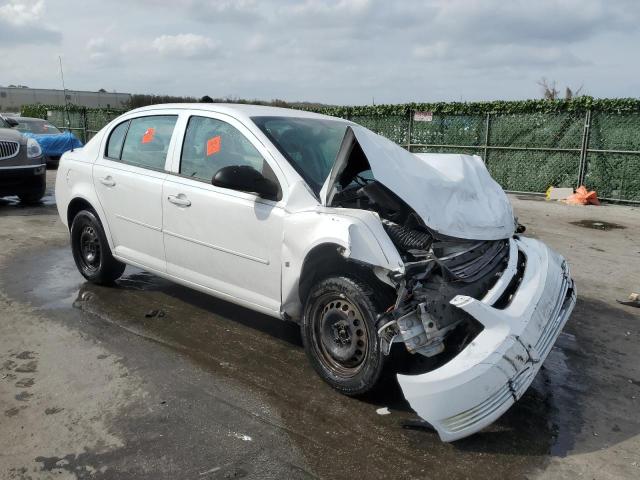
(309, 144)
(211, 144)
(147, 141)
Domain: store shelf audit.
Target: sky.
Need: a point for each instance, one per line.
(347, 52)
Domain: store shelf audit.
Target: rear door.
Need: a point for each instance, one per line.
(128, 179)
(225, 240)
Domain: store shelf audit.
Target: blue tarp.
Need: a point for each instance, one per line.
(55, 145)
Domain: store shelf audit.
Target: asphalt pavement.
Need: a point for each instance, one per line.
(149, 379)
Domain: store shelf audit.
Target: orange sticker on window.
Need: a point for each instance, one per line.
(148, 135)
(213, 145)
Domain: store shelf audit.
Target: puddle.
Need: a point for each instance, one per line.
(11, 206)
(597, 225)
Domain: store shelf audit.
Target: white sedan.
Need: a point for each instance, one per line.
(319, 221)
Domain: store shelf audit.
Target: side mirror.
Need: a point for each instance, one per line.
(245, 179)
(11, 121)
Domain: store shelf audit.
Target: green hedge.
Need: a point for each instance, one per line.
(613, 105)
(40, 110)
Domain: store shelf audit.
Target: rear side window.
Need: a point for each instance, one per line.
(116, 139)
(211, 144)
(147, 141)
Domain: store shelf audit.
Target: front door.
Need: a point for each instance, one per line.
(227, 241)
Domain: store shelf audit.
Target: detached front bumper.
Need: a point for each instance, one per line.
(477, 386)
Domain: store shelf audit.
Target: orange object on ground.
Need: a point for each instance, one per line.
(583, 197)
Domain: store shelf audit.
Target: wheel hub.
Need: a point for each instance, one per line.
(90, 247)
(343, 339)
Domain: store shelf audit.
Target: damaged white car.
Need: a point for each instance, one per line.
(320, 221)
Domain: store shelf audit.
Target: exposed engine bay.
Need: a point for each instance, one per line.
(437, 267)
(485, 303)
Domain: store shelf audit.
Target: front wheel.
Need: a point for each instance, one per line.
(91, 250)
(339, 334)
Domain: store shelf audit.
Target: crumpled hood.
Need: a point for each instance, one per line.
(453, 194)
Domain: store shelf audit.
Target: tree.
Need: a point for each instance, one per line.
(550, 92)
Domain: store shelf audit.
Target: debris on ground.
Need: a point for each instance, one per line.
(154, 314)
(215, 469)
(558, 193)
(633, 301)
(241, 436)
(583, 197)
(383, 411)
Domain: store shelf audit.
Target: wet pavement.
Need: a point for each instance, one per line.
(597, 224)
(201, 388)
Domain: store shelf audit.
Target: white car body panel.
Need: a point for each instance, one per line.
(133, 205)
(251, 251)
(224, 253)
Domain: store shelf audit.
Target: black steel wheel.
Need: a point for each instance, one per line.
(91, 250)
(339, 334)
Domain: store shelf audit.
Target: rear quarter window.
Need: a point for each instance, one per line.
(116, 140)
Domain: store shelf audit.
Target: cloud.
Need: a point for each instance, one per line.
(183, 45)
(526, 21)
(337, 51)
(21, 23)
(437, 50)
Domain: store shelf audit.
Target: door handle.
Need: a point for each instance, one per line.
(108, 181)
(181, 200)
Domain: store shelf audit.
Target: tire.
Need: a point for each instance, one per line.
(91, 250)
(52, 163)
(339, 334)
(34, 196)
(31, 198)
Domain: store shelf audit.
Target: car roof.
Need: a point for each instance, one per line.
(238, 110)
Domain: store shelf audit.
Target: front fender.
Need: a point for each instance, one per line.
(358, 232)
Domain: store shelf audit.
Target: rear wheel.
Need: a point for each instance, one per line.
(339, 334)
(91, 250)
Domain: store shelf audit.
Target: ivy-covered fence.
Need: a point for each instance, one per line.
(527, 145)
(83, 121)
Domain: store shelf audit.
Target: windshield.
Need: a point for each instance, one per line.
(309, 144)
(36, 126)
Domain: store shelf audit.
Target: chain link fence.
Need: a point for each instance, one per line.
(529, 152)
(525, 152)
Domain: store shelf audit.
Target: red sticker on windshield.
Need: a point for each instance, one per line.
(213, 145)
(148, 135)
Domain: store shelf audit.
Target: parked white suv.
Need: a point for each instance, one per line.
(320, 221)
